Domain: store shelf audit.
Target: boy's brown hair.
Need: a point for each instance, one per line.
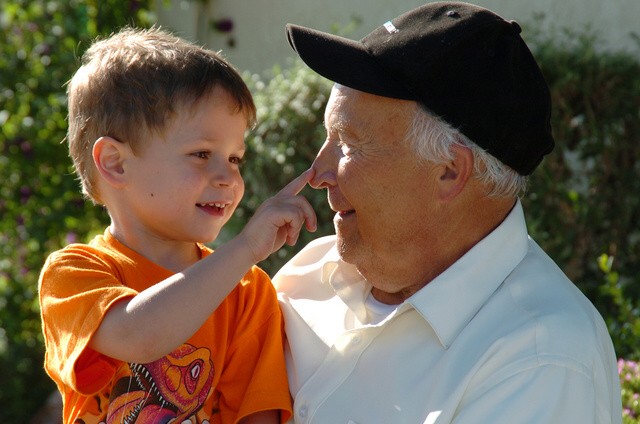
(132, 83)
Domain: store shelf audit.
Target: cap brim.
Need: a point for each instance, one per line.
(344, 61)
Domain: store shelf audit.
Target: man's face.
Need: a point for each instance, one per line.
(375, 182)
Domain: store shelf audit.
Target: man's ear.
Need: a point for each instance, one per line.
(108, 157)
(453, 175)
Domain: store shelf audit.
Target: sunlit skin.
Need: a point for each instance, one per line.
(400, 220)
(183, 185)
(180, 189)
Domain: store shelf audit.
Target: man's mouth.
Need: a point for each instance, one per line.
(346, 213)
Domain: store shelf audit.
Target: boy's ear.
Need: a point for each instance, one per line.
(108, 156)
(453, 175)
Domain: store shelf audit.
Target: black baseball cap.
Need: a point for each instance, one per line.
(462, 62)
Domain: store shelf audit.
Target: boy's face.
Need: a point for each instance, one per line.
(185, 184)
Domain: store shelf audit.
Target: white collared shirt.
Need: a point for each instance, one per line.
(500, 337)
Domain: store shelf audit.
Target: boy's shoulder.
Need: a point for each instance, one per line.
(97, 249)
(95, 262)
(256, 279)
(254, 292)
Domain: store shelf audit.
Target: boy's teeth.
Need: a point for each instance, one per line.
(217, 205)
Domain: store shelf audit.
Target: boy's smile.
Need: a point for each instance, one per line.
(215, 208)
(185, 183)
(156, 135)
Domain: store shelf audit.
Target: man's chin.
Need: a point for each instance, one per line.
(346, 249)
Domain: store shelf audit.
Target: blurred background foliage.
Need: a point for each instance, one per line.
(40, 206)
(582, 205)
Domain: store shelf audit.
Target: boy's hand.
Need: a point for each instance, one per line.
(279, 219)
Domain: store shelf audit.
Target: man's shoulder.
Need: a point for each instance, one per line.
(307, 265)
(320, 244)
(551, 308)
(319, 250)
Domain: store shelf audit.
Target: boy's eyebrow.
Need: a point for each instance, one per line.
(240, 145)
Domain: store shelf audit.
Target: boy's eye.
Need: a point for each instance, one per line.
(202, 155)
(237, 160)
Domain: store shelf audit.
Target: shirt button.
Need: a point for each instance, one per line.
(303, 411)
(356, 340)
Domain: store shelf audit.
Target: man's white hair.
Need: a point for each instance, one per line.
(433, 139)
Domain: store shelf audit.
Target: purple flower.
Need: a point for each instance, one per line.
(25, 194)
(223, 25)
(26, 147)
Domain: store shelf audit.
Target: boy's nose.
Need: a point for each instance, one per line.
(325, 165)
(224, 175)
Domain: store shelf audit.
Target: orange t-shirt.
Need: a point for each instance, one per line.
(233, 365)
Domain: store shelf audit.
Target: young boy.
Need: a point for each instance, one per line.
(144, 324)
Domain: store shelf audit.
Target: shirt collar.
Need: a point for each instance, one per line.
(451, 300)
(347, 283)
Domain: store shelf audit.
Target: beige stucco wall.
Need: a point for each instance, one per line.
(259, 41)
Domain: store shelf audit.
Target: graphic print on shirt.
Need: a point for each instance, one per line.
(172, 388)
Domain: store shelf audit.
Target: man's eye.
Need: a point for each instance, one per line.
(346, 150)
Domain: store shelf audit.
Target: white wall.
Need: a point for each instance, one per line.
(260, 41)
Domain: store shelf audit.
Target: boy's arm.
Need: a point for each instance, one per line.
(156, 321)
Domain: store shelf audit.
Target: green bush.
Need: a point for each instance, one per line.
(584, 201)
(630, 389)
(41, 208)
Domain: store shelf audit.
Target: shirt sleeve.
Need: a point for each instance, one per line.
(76, 288)
(543, 394)
(254, 377)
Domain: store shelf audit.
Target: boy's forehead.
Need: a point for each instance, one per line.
(218, 95)
(209, 118)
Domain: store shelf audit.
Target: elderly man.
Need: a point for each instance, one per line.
(431, 304)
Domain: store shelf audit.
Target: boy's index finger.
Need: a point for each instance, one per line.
(297, 184)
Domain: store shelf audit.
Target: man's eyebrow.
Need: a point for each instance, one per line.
(338, 125)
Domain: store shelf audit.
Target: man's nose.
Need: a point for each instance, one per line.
(325, 165)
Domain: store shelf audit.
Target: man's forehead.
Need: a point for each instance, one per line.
(337, 120)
